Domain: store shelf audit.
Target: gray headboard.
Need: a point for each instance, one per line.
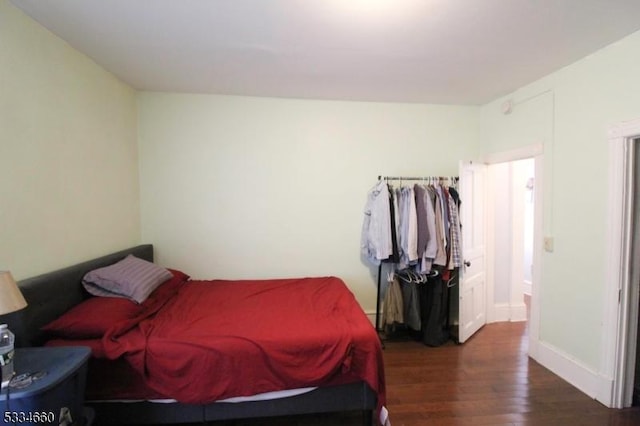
(50, 295)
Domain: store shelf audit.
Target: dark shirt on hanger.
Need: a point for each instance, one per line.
(395, 254)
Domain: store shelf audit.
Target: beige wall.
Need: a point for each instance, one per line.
(68, 155)
(569, 112)
(240, 187)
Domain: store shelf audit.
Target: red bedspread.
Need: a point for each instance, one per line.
(208, 340)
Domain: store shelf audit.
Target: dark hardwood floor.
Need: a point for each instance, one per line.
(487, 381)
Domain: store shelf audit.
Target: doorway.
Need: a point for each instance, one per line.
(530, 312)
(512, 214)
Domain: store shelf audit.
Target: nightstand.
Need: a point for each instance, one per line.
(52, 392)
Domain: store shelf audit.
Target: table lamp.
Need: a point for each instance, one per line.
(11, 300)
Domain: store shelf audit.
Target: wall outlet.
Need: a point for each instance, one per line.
(548, 244)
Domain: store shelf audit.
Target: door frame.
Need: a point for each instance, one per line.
(535, 151)
(620, 317)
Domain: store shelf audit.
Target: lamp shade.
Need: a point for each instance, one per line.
(11, 298)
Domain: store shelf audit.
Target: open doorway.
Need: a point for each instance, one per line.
(519, 311)
(512, 212)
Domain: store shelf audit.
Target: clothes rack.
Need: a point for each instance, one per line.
(453, 180)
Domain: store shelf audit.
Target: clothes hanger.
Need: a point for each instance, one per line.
(453, 277)
(405, 275)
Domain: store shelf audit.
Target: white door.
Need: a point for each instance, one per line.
(472, 291)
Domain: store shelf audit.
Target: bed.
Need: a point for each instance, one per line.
(342, 373)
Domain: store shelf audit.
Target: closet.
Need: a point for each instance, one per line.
(412, 232)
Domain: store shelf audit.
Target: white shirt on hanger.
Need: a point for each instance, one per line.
(375, 241)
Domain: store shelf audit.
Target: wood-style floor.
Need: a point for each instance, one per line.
(489, 380)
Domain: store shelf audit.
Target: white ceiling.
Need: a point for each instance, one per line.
(431, 51)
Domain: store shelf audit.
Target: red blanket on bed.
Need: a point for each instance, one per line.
(208, 340)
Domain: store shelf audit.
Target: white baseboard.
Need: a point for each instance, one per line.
(371, 314)
(605, 391)
(575, 372)
(500, 313)
(504, 312)
(518, 312)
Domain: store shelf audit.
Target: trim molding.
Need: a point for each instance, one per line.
(519, 312)
(500, 312)
(525, 152)
(371, 314)
(504, 312)
(536, 291)
(616, 315)
(573, 371)
(535, 151)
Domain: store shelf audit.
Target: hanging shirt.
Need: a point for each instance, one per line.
(441, 253)
(395, 253)
(408, 227)
(421, 215)
(455, 258)
(375, 241)
(432, 243)
(444, 208)
(397, 210)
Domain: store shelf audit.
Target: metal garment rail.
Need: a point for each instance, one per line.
(429, 179)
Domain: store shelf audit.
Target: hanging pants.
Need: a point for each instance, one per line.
(434, 303)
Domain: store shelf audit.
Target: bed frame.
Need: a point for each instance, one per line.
(50, 295)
